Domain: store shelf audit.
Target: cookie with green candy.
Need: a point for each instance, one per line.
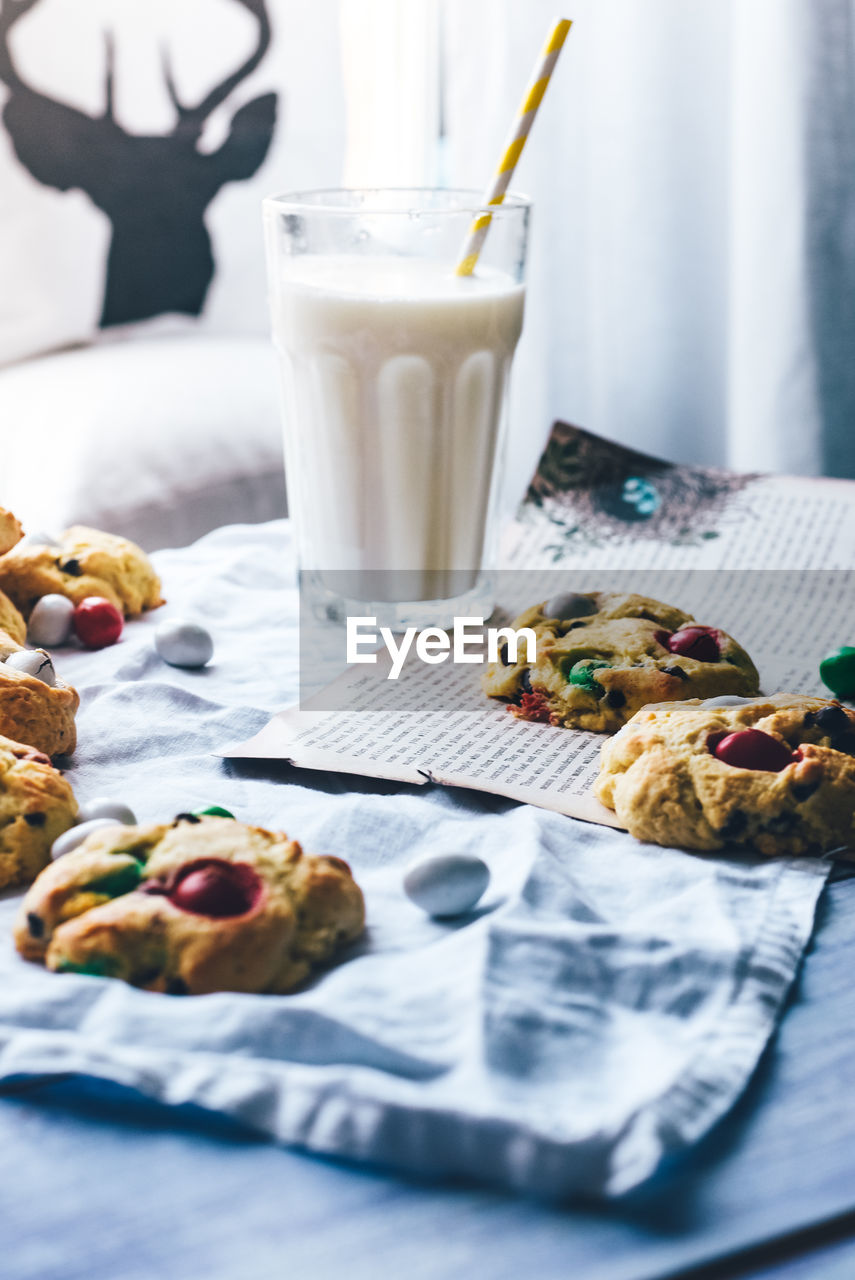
(202, 904)
(601, 656)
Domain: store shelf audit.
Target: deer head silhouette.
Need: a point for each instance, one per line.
(154, 190)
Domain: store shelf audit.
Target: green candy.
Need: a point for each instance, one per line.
(837, 671)
(212, 811)
(118, 882)
(581, 675)
(94, 966)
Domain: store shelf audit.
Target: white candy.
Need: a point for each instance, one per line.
(446, 884)
(51, 621)
(41, 539)
(75, 836)
(183, 644)
(33, 662)
(727, 700)
(569, 604)
(104, 807)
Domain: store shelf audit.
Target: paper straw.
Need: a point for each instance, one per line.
(516, 141)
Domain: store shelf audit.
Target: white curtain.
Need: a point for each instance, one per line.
(692, 266)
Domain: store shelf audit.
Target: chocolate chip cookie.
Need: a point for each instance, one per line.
(31, 711)
(85, 562)
(774, 774)
(13, 628)
(36, 806)
(601, 656)
(10, 530)
(199, 905)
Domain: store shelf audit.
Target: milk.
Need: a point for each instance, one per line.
(395, 372)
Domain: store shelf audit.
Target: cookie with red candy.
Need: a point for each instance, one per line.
(601, 656)
(774, 774)
(199, 905)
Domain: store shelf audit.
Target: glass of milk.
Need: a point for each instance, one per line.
(395, 378)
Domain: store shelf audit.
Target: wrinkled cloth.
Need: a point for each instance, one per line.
(598, 1011)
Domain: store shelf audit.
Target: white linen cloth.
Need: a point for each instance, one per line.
(603, 1006)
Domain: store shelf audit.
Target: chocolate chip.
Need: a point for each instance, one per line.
(675, 671)
(783, 823)
(525, 680)
(35, 924)
(503, 656)
(35, 819)
(809, 719)
(804, 790)
(614, 698)
(845, 743)
(833, 720)
(177, 987)
(736, 823)
(185, 817)
(145, 977)
(574, 626)
(71, 567)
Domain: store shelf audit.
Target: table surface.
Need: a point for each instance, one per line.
(104, 1186)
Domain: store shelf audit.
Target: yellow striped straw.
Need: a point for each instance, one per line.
(516, 141)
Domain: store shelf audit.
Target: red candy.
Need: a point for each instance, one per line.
(700, 643)
(751, 749)
(97, 622)
(216, 888)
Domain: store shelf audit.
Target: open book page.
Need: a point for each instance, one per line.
(596, 503)
(433, 723)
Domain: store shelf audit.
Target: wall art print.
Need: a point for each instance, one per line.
(154, 189)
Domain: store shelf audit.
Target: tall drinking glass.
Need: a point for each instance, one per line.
(395, 376)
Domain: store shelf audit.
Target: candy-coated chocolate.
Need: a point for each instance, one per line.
(581, 674)
(35, 663)
(76, 835)
(41, 539)
(212, 811)
(752, 749)
(569, 604)
(104, 807)
(51, 621)
(447, 884)
(183, 644)
(700, 643)
(97, 622)
(95, 966)
(837, 671)
(727, 700)
(214, 887)
(126, 877)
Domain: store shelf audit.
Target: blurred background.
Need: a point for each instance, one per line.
(692, 263)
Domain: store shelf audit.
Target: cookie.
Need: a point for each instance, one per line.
(36, 713)
(13, 628)
(775, 774)
(10, 530)
(601, 656)
(84, 563)
(199, 905)
(36, 806)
